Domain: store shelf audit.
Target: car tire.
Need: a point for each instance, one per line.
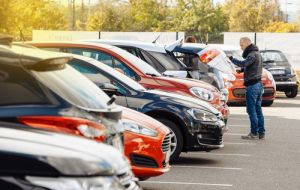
(267, 103)
(177, 134)
(292, 93)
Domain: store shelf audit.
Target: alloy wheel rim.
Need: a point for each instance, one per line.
(174, 141)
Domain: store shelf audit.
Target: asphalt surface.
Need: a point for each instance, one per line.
(270, 164)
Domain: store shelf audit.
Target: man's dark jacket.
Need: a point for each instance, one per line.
(252, 65)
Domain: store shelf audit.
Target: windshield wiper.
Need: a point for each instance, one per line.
(152, 74)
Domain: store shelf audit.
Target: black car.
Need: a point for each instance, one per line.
(284, 74)
(38, 88)
(196, 125)
(42, 160)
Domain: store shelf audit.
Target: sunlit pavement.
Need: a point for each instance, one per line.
(271, 164)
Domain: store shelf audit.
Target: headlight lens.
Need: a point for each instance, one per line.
(135, 128)
(202, 115)
(228, 84)
(202, 93)
(88, 183)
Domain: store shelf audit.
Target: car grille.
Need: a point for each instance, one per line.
(241, 93)
(166, 145)
(143, 161)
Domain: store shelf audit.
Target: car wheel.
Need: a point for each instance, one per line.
(176, 138)
(292, 93)
(267, 103)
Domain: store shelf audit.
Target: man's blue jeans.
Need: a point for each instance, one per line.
(253, 102)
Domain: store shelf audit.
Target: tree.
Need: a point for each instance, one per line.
(198, 18)
(281, 27)
(109, 16)
(251, 15)
(5, 16)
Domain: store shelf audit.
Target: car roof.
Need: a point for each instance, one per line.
(142, 45)
(27, 55)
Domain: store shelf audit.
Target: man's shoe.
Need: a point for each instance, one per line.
(250, 136)
(261, 136)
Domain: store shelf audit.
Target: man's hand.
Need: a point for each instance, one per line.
(230, 58)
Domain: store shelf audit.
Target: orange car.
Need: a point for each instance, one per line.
(237, 90)
(149, 154)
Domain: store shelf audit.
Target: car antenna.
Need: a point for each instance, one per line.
(154, 41)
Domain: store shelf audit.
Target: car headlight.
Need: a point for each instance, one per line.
(228, 84)
(202, 115)
(87, 183)
(135, 128)
(202, 93)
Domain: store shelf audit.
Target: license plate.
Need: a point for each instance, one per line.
(278, 72)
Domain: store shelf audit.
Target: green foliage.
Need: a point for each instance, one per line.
(20, 17)
(251, 15)
(281, 27)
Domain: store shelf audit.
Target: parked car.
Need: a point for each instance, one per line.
(147, 144)
(284, 74)
(37, 159)
(146, 162)
(236, 88)
(194, 124)
(40, 90)
(140, 71)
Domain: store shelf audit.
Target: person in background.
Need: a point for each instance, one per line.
(192, 61)
(252, 65)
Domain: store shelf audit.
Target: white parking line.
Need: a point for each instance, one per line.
(245, 119)
(234, 134)
(219, 154)
(231, 143)
(204, 167)
(186, 183)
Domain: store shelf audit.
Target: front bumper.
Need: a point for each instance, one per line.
(209, 137)
(147, 155)
(238, 95)
(286, 85)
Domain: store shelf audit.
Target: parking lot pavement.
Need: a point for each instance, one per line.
(271, 164)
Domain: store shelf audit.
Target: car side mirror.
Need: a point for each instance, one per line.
(110, 89)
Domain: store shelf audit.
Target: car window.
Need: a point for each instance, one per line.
(125, 70)
(276, 57)
(19, 87)
(94, 74)
(153, 62)
(166, 60)
(131, 50)
(137, 62)
(98, 55)
(73, 87)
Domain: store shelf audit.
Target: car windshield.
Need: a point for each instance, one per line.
(140, 64)
(121, 77)
(274, 58)
(169, 62)
(73, 87)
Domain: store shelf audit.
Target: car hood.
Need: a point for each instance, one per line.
(141, 119)
(185, 83)
(45, 153)
(186, 101)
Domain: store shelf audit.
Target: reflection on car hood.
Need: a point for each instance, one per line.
(186, 100)
(57, 153)
(141, 118)
(188, 82)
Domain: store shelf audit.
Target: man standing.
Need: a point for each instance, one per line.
(252, 66)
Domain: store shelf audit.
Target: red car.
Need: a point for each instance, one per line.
(237, 90)
(149, 155)
(140, 71)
